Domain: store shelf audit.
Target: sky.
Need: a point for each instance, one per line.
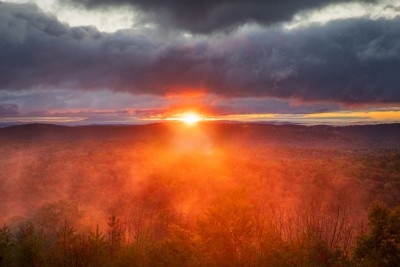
(140, 61)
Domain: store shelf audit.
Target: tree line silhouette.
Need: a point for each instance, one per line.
(231, 232)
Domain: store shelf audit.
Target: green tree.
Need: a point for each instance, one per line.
(6, 246)
(97, 247)
(60, 253)
(30, 250)
(80, 251)
(227, 229)
(179, 248)
(381, 245)
(116, 236)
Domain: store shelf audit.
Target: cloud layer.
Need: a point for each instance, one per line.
(8, 109)
(348, 61)
(206, 16)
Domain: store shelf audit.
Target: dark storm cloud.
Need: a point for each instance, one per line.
(348, 61)
(269, 106)
(8, 109)
(209, 15)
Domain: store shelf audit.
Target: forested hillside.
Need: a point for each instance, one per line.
(214, 195)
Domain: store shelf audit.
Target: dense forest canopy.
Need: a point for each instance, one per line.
(214, 194)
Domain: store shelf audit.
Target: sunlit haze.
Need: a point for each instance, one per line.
(259, 133)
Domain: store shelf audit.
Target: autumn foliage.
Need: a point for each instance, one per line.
(205, 197)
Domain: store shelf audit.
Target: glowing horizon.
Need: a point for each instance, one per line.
(192, 117)
(338, 117)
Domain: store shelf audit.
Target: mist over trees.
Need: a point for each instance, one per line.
(157, 196)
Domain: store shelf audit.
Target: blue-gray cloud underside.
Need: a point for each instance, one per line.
(347, 61)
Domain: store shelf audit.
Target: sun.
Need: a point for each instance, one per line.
(190, 118)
